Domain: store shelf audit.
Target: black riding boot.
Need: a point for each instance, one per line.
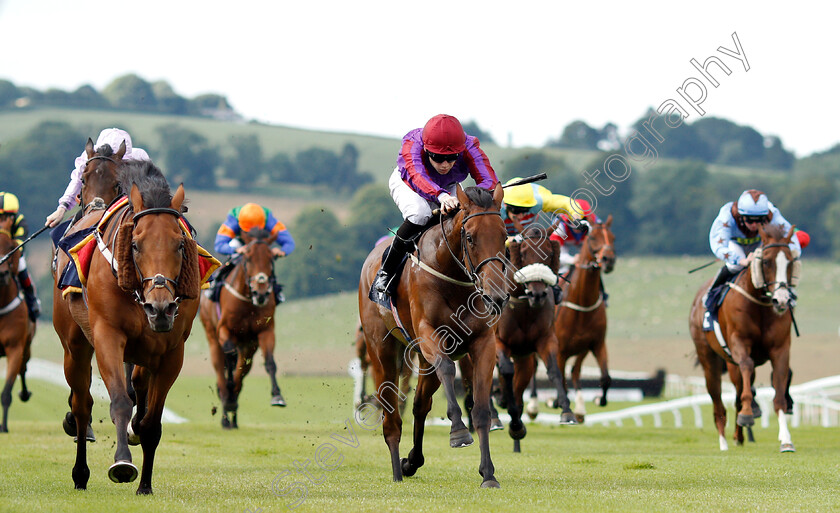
(723, 275)
(33, 304)
(403, 242)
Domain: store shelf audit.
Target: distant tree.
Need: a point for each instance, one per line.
(167, 100)
(204, 104)
(673, 208)
(471, 127)
(775, 155)
(37, 166)
(280, 168)
(8, 94)
(683, 142)
(246, 163)
(316, 165)
(87, 97)
(372, 213)
(189, 158)
(577, 135)
(804, 203)
(56, 97)
(319, 264)
(130, 92)
(831, 225)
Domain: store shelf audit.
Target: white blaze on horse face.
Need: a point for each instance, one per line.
(781, 295)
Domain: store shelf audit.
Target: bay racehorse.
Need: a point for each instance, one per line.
(360, 394)
(754, 323)
(448, 300)
(526, 326)
(142, 293)
(100, 186)
(16, 329)
(581, 322)
(242, 321)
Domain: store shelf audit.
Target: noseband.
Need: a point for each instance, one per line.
(159, 281)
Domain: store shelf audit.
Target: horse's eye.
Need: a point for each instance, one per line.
(134, 247)
(470, 239)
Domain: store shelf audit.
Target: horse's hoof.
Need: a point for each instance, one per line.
(603, 401)
(278, 400)
(567, 419)
(460, 438)
(580, 418)
(143, 491)
(407, 469)
(89, 435)
(491, 483)
(517, 434)
(745, 420)
(787, 448)
(24, 396)
(533, 408)
(3, 429)
(225, 423)
(122, 472)
(496, 424)
(133, 438)
(69, 425)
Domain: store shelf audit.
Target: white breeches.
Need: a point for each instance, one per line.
(414, 207)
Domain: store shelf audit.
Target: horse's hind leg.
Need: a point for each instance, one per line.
(13, 364)
(266, 340)
(523, 370)
(600, 353)
(507, 372)
(427, 384)
(139, 378)
(555, 374)
(383, 357)
(24, 393)
(780, 362)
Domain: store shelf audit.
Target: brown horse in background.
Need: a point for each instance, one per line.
(16, 329)
(241, 321)
(100, 186)
(581, 322)
(142, 293)
(527, 326)
(445, 318)
(755, 320)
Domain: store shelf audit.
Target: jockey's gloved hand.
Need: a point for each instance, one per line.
(584, 226)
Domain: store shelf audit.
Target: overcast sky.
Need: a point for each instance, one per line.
(522, 70)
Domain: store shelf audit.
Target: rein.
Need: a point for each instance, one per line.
(260, 277)
(470, 269)
(599, 255)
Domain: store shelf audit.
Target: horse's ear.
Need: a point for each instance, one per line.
(136, 198)
(555, 256)
(790, 233)
(121, 151)
(178, 198)
(463, 199)
(189, 281)
(89, 148)
(498, 196)
(609, 221)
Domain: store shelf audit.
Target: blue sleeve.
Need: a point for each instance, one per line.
(286, 242)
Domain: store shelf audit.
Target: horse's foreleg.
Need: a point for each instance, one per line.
(109, 357)
(523, 370)
(600, 353)
(139, 378)
(427, 385)
(484, 359)
(13, 365)
(242, 368)
(150, 428)
(516, 429)
(77, 372)
(746, 367)
(266, 340)
(780, 360)
(555, 374)
(459, 435)
(737, 380)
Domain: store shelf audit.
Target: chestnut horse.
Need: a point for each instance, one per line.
(16, 329)
(100, 187)
(755, 320)
(449, 299)
(243, 320)
(527, 326)
(142, 296)
(581, 322)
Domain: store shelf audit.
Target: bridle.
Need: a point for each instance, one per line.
(98, 203)
(757, 272)
(470, 269)
(598, 253)
(260, 278)
(159, 281)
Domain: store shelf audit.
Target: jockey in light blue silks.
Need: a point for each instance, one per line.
(734, 236)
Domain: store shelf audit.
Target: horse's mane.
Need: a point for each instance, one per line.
(149, 180)
(775, 231)
(105, 150)
(481, 197)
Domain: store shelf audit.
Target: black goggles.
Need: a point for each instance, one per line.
(513, 209)
(755, 219)
(443, 157)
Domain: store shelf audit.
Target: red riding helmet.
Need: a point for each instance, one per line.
(444, 135)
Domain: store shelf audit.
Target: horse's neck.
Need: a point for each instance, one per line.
(586, 284)
(238, 279)
(435, 252)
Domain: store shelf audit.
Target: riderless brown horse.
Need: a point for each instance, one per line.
(241, 321)
(581, 322)
(142, 294)
(755, 320)
(448, 301)
(100, 186)
(527, 326)
(16, 329)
